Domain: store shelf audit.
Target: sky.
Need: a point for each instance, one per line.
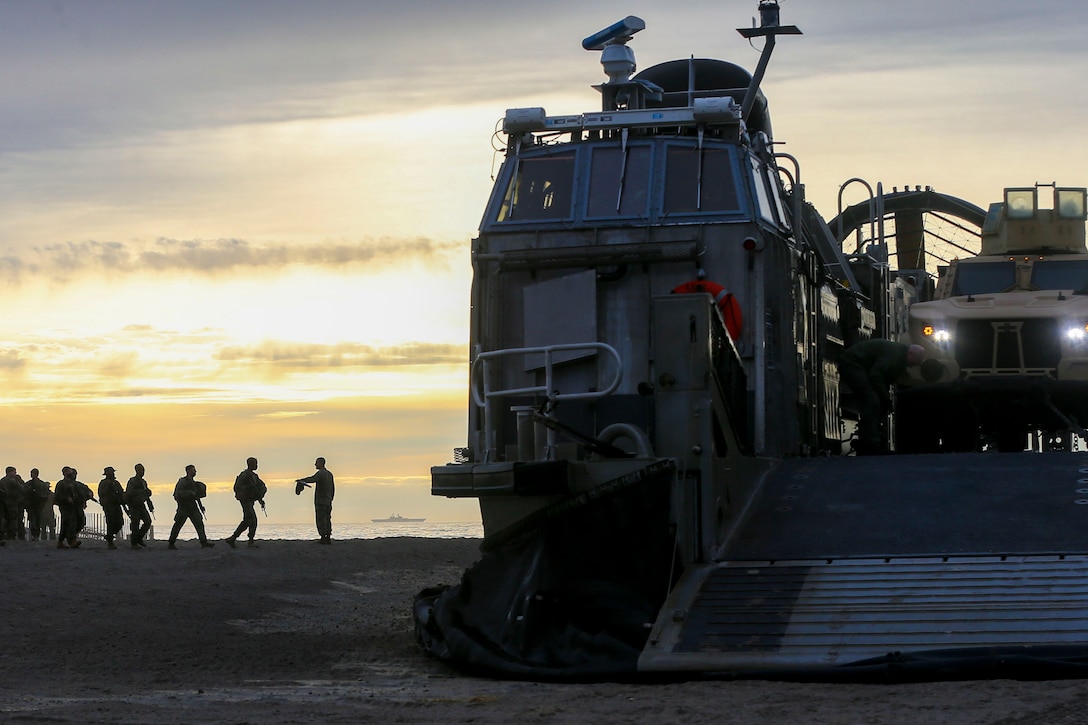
(242, 228)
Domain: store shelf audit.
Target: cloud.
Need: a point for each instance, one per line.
(11, 361)
(116, 364)
(291, 357)
(397, 481)
(98, 69)
(147, 393)
(211, 256)
(140, 364)
(285, 414)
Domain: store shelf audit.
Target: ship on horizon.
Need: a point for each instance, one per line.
(397, 519)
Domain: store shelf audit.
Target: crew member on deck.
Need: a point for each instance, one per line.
(870, 368)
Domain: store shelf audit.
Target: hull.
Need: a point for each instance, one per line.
(955, 565)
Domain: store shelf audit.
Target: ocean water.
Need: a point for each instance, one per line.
(304, 532)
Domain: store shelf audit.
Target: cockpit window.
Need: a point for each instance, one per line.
(619, 182)
(699, 180)
(542, 189)
(984, 278)
(1064, 274)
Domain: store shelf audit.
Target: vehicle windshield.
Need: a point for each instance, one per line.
(1070, 274)
(984, 278)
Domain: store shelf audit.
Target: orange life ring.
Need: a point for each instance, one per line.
(727, 303)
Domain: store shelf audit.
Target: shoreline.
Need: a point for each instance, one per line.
(304, 531)
(296, 632)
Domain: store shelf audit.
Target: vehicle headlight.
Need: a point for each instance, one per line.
(936, 334)
(1077, 334)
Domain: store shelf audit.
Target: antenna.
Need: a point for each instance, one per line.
(769, 28)
(768, 22)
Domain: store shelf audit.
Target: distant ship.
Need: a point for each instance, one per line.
(397, 519)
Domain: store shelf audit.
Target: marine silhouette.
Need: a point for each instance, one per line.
(111, 497)
(248, 489)
(37, 497)
(140, 508)
(187, 492)
(324, 490)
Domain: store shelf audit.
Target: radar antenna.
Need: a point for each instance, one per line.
(619, 63)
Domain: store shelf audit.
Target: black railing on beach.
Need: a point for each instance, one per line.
(96, 526)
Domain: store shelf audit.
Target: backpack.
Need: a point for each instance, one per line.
(39, 492)
(249, 487)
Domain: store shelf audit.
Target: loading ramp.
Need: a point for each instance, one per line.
(891, 562)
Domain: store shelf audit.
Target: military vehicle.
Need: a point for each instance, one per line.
(1006, 335)
(656, 432)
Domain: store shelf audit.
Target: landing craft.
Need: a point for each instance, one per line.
(656, 432)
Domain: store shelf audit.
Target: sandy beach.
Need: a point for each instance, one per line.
(293, 632)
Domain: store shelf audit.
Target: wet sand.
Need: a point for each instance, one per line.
(294, 632)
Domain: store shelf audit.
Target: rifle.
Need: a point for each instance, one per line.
(263, 508)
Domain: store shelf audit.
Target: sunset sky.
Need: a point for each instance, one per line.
(242, 228)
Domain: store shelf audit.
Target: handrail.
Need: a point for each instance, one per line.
(482, 396)
(872, 212)
(547, 351)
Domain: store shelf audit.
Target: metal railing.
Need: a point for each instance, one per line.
(483, 393)
(94, 528)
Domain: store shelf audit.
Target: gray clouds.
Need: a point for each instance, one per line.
(128, 120)
(151, 363)
(61, 262)
(936, 38)
(81, 72)
(11, 361)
